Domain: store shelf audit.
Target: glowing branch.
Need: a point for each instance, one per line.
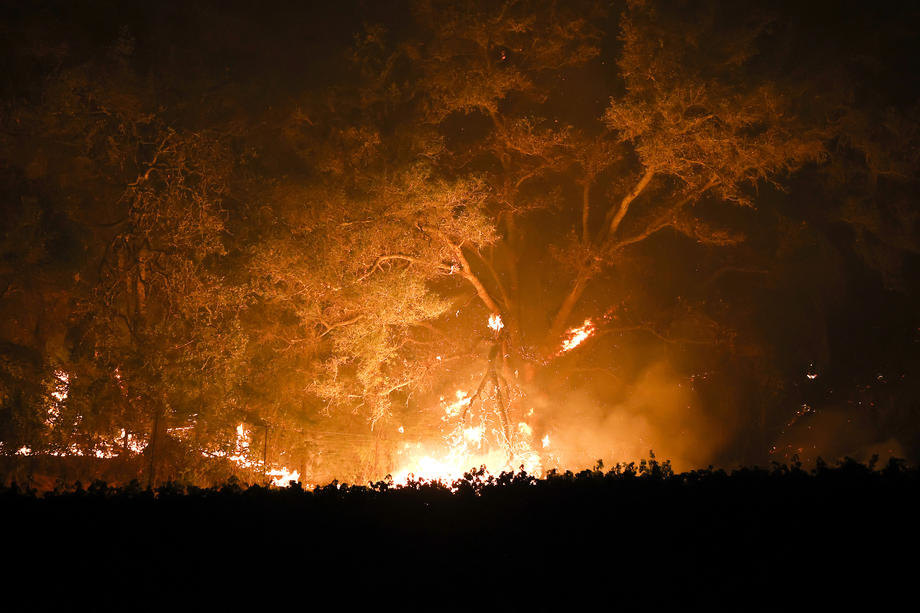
(399, 256)
(617, 218)
(331, 327)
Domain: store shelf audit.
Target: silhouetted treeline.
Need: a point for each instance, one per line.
(634, 535)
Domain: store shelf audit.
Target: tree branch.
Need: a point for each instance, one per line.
(466, 270)
(667, 339)
(470, 276)
(331, 327)
(715, 276)
(568, 304)
(153, 163)
(498, 282)
(669, 218)
(392, 389)
(615, 219)
(585, 273)
(398, 256)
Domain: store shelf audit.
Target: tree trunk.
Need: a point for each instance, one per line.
(154, 440)
(586, 210)
(470, 276)
(565, 311)
(265, 457)
(513, 273)
(376, 472)
(617, 218)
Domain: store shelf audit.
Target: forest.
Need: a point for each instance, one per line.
(320, 241)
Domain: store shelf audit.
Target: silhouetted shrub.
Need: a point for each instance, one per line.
(637, 534)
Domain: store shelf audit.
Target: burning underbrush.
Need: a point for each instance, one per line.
(646, 475)
(513, 426)
(472, 437)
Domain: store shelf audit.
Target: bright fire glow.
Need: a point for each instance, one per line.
(463, 401)
(59, 392)
(468, 446)
(473, 435)
(495, 322)
(282, 477)
(61, 386)
(132, 443)
(576, 336)
(432, 465)
(239, 454)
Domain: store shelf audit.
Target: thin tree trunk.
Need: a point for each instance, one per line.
(141, 303)
(154, 440)
(505, 298)
(470, 276)
(511, 307)
(568, 305)
(621, 211)
(376, 454)
(265, 456)
(129, 283)
(586, 210)
(503, 411)
(513, 270)
(584, 275)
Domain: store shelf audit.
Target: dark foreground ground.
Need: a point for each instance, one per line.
(780, 539)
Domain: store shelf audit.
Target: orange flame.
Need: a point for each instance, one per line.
(495, 322)
(466, 447)
(576, 336)
(282, 477)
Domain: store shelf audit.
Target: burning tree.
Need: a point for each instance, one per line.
(463, 196)
(408, 235)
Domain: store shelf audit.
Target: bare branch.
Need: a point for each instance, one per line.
(392, 389)
(662, 337)
(615, 219)
(467, 273)
(398, 256)
(466, 270)
(585, 209)
(498, 282)
(331, 327)
(668, 218)
(715, 276)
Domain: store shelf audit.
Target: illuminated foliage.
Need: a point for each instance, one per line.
(322, 248)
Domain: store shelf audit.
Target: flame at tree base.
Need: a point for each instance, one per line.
(473, 440)
(450, 467)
